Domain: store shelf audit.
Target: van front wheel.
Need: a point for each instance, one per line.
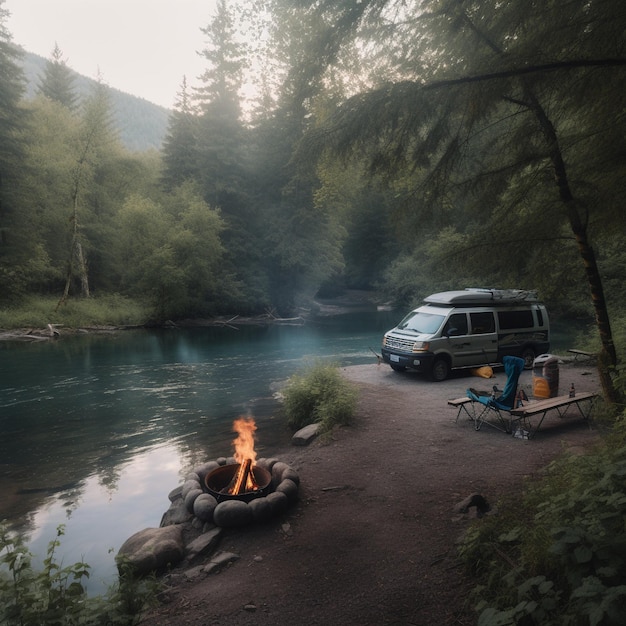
(440, 370)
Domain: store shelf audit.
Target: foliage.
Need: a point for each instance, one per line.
(558, 556)
(321, 395)
(431, 168)
(171, 253)
(56, 595)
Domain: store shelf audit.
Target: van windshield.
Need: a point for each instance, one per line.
(423, 323)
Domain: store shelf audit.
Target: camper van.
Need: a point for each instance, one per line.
(468, 328)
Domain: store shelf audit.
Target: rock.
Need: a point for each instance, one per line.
(204, 506)
(291, 474)
(206, 468)
(277, 472)
(194, 572)
(232, 514)
(262, 509)
(176, 514)
(190, 499)
(279, 501)
(305, 435)
(289, 488)
(474, 500)
(190, 485)
(267, 464)
(203, 544)
(219, 561)
(152, 550)
(175, 493)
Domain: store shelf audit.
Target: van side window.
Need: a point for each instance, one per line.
(482, 323)
(456, 325)
(516, 319)
(539, 317)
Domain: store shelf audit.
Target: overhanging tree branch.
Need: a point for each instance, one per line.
(523, 71)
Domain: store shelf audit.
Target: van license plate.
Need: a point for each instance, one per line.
(394, 358)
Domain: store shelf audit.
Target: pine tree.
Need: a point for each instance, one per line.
(57, 82)
(180, 147)
(14, 244)
(221, 133)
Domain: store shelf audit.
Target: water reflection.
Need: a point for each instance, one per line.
(88, 511)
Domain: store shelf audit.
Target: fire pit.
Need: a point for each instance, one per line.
(239, 490)
(238, 481)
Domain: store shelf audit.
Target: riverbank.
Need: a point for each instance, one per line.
(373, 537)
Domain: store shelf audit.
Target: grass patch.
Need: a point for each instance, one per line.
(108, 310)
(320, 395)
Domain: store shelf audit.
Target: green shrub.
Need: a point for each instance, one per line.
(558, 555)
(56, 595)
(319, 395)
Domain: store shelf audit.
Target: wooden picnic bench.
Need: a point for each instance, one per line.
(582, 353)
(560, 404)
(522, 414)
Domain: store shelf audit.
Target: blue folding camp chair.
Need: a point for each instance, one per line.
(498, 407)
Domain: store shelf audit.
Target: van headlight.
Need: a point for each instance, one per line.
(421, 346)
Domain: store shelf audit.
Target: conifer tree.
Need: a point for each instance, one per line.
(180, 147)
(221, 134)
(57, 82)
(14, 242)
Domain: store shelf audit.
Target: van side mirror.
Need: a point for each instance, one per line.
(451, 332)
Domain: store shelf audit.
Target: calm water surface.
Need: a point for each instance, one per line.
(96, 430)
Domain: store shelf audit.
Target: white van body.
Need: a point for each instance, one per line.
(469, 328)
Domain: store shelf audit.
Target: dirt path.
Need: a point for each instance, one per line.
(371, 541)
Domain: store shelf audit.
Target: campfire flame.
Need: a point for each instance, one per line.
(245, 455)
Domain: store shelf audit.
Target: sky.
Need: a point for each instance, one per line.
(142, 47)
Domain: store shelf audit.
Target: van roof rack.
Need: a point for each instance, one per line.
(484, 296)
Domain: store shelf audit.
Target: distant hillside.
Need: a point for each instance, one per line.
(142, 125)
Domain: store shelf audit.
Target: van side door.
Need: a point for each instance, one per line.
(483, 340)
(457, 333)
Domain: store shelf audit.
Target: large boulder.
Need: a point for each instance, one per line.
(152, 550)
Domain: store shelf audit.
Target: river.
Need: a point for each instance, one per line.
(96, 430)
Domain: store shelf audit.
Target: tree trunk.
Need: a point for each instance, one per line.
(607, 361)
(76, 256)
(82, 269)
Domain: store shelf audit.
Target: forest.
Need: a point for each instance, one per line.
(399, 146)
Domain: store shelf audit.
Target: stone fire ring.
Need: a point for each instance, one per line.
(283, 490)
